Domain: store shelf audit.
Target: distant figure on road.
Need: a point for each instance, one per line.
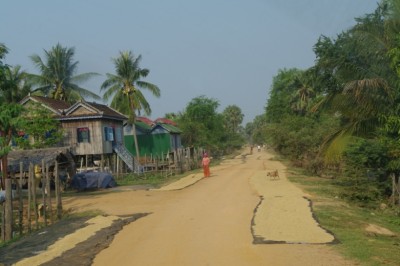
(259, 148)
(206, 165)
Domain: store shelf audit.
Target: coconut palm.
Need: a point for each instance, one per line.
(57, 75)
(303, 93)
(16, 86)
(233, 117)
(3, 67)
(124, 88)
(365, 90)
(10, 120)
(3, 51)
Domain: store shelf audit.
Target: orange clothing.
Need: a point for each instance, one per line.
(206, 166)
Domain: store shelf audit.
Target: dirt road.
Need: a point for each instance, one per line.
(238, 216)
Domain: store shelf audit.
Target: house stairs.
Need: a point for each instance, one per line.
(125, 155)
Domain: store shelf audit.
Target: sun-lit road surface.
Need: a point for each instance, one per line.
(212, 221)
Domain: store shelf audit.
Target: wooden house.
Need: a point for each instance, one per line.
(90, 129)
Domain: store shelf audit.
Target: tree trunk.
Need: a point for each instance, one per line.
(132, 119)
(393, 200)
(398, 190)
(8, 211)
(3, 167)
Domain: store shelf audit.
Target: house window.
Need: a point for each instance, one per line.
(83, 135)
(109, 133)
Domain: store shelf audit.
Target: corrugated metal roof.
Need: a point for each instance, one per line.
(145, 120)
(96, 111)
(169, 128)
(165, 121)
(56, 106)
(143, 126)
(49, 155)
(65, 111)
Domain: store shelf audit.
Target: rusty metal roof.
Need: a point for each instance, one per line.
(57, 106)
(36, 156)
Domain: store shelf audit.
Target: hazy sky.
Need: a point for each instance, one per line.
(228, 50)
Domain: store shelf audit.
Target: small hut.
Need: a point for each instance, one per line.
(154, 138)
(21, 159)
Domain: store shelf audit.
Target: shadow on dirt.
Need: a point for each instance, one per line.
(81, 254)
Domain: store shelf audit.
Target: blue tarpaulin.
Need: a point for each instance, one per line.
(90, 180)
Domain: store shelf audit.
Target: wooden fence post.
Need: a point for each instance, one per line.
(35, 209)
(8, 215)
(44, 189)
(3, 221)
(30, 177)
(20, 200)
(48, 186)
(58, 191)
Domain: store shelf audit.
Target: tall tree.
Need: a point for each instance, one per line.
(201, 124)
(366, 85)
(41, 127)
(124, 88)
(280, 98)
(16, 86)
(233, 117)
(304, 92)
(3, 68)
(10, 121)
(57, 75)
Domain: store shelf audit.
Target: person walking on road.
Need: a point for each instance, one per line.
(206, 165)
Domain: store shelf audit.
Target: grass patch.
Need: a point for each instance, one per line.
(348, 222)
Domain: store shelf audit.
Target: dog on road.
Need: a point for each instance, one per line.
(273, 175)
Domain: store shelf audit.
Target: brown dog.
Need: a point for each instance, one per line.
(274, 175)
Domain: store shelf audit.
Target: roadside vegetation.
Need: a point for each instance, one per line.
(339, 119)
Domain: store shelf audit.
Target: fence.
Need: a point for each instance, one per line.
(26, 205)
(29, 206)
(174, 162)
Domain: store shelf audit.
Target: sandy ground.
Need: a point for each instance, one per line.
(238, 216)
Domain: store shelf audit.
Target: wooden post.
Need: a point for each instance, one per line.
(117, 166)
(44, 190)
(20, 200)
(30, 177)
(58, 191)
(35, 209)
(393, 200)
(398, 190)
(48, 186)
(8, 215)
(3, 221)
(81, 169)
(102, 162)
(115, 163)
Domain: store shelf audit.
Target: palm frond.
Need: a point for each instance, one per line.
(84, 77)
(149, 86)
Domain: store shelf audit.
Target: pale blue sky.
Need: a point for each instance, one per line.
(228, 50)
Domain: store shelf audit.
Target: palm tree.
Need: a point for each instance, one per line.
(124, 88)
(3, 51)
(3, 67)
(16, 86)
(303, 93)
(359, 62)
(57, 77)
(10, 120)
(233, 117)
